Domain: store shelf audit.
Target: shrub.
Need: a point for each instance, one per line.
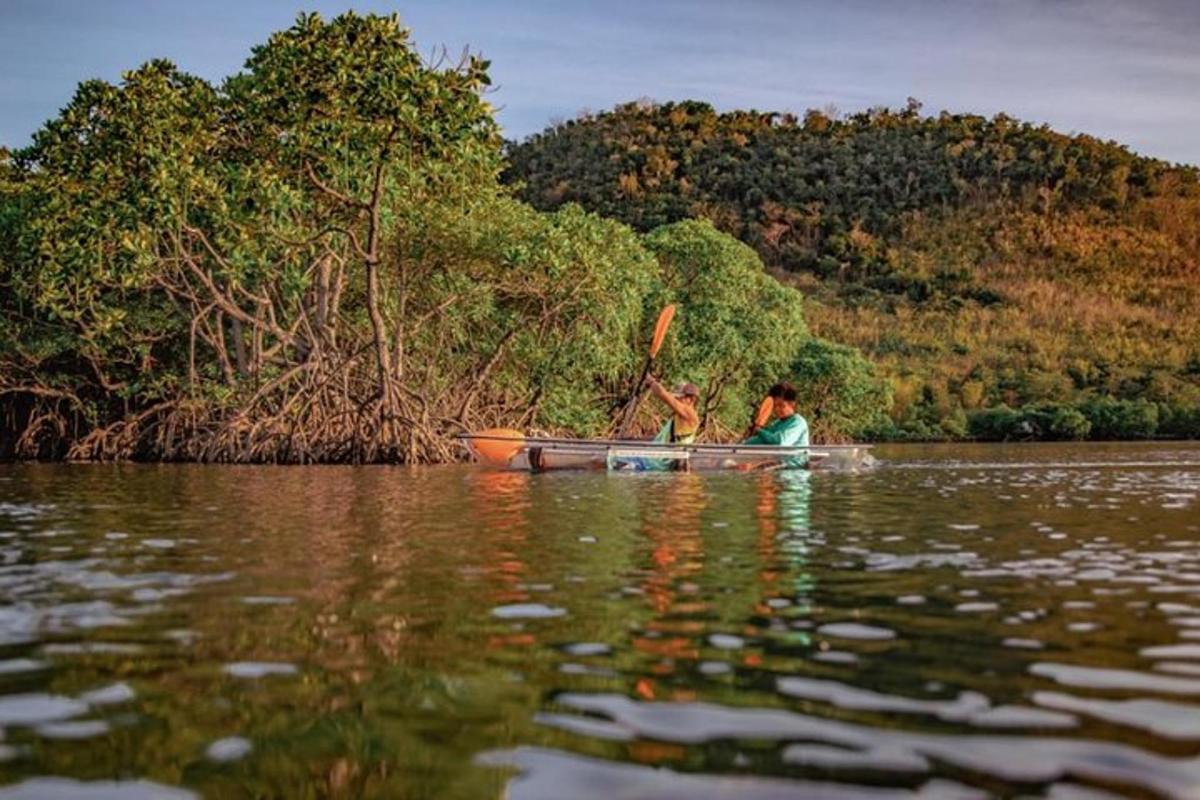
(1069, 424)
(997, 424)
(1179, 422)
(1121, 419)
(839, 389)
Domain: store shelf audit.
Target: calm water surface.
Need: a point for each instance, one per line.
(960, 622)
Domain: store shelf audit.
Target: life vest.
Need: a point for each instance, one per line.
(676, 434)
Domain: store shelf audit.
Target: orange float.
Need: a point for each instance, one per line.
(497, 446)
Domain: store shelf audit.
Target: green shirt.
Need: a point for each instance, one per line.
(787, 432)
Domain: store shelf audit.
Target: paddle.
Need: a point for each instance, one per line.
(660, 334)
(763, 415)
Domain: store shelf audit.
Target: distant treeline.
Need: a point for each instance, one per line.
(978, 262)
(1102, 418)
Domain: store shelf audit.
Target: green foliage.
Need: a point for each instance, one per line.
(1069, 424)
(552, 301)
(1179, 422)
(226, 179)
(1102, 418)
(117, 164)
(1051, 422)
(229, 262)
(1122, 419)
(994, 424)
(738, 329)
(840, 392)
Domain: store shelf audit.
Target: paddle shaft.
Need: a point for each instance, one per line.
(660, 333)
(636, 400)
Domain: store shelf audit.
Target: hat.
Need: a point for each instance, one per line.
(686, 390)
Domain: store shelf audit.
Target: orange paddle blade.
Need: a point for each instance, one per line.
(497, 452)
(763, 415)
(660, 329)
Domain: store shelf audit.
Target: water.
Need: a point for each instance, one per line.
(961, 622)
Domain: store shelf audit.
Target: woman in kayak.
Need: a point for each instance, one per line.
(684, 423)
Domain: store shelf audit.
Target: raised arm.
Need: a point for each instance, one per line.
(671, 401)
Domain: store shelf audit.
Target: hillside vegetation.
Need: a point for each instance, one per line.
(1007, 280)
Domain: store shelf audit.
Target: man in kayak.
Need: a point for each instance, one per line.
(788, 429)
(680, 428)
(684, 423)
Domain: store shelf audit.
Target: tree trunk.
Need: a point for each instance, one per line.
(239, 348)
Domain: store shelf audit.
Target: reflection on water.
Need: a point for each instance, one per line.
(962, 622)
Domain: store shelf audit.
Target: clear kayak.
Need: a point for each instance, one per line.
(506, 449)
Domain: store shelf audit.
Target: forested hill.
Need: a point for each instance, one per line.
(982, 263)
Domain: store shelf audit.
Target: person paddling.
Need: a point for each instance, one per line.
(684, 423)
(788, 429)
(680, 428)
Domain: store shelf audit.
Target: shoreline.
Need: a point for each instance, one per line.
(465, 460)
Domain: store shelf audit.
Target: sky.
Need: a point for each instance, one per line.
(1127, 70)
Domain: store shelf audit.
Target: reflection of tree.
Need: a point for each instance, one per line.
(392, 575)
(773, 564)
(378, 565)
(768, 529)
(500, 505)
(791, 508)
(677, 554)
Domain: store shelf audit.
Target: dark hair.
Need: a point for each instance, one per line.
(784, 391)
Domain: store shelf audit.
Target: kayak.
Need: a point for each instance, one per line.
(508, 449)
